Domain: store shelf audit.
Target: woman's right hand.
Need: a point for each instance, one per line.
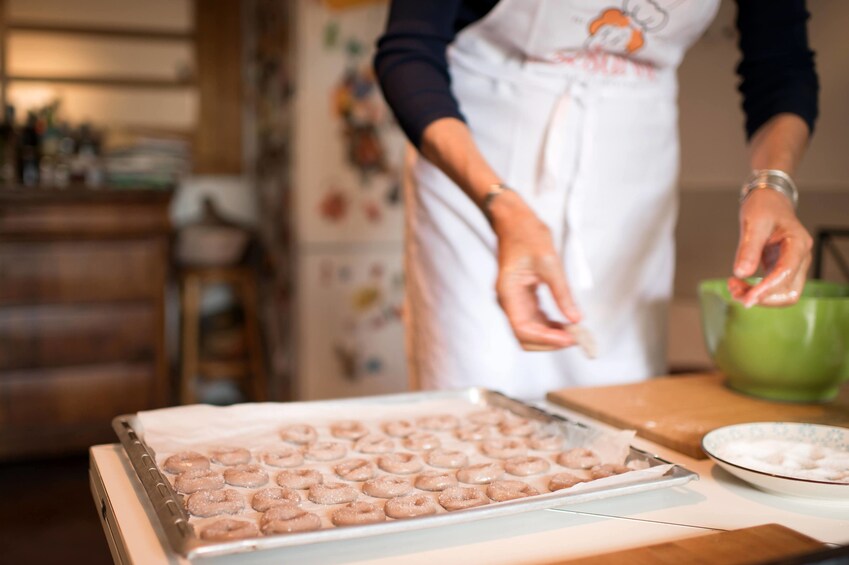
(527, 259)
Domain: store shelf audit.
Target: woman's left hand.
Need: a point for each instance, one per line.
(771, 235)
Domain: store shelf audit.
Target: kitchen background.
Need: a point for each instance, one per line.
(200, 202)
(256, 130)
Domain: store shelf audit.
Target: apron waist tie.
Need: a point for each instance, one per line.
(566, 140)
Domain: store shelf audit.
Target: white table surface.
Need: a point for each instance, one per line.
(718, 501)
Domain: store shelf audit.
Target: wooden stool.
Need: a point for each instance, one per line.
(251, 369)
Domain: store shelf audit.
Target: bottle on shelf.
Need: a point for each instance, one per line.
(28, 154)
(48, 136)
(64, 154)
(8, 149)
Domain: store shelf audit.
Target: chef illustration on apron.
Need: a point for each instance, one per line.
(573, 103)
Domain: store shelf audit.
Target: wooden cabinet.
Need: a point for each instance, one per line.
(82, 287)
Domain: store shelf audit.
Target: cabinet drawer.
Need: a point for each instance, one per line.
(81, 271)
(81, 218)
(52, 336)
(73, 396)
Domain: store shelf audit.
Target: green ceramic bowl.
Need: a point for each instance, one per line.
(799, 353)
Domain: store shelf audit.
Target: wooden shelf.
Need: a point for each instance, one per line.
(82, 193)
(117, 33)
(115, 82)
(216, 40)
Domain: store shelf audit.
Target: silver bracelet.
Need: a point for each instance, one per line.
(494, 190)
(773, 179)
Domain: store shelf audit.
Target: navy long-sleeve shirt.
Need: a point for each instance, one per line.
(777, 68)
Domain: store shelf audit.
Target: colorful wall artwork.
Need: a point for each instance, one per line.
(348, 210)
(349, 150)
(351, 338)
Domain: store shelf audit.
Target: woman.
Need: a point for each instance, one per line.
(547, 164)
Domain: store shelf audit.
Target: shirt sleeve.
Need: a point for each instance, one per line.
(777, 70)
(411, 64)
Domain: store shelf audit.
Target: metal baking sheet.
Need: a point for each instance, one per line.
(174, 520)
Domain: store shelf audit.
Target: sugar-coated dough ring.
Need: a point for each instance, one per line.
(332, 493)
(447, 459)
(459, 498)
(357, 513)
(356, 470)
(288, 518)
(525, 465)
(273, 496)
(301, 434)
(284, 457)
(546, 441)
(348, 429)
(410, 506)
(438, 422)
(185, 461)
(561, 481)
(374, 444)
(250, 476)
(299, 479)
(421, 441)
(387, 486)
(197, 480)
(480, 474)
(400, 463)
(231, 456)
(517, 427)
(499, 491)
(436, 480)
(226, 529)
(489, 416)
(607, 470)
(475, 432)
(399, 428)
(578, 458)
(324, 451)
(206, 503)
(504, 448)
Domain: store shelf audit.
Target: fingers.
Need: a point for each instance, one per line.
(535, 332)
(526, 260)
(536, 345)
(754, 234)
(738, 288)
(551, 273)
(788, 294)
(784, 282)
(770, 235)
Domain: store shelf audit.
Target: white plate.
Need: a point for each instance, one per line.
(824, 436)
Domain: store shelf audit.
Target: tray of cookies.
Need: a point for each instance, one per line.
(247, 477)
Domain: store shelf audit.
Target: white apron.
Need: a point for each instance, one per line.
(573, 103)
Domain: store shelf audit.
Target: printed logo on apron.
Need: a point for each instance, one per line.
(624, 30)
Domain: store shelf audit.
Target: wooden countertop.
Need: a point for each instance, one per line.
(678, 411)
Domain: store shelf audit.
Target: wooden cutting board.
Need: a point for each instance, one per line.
(748, 546)
(677, 412)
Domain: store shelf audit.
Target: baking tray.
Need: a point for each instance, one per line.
(174, 520)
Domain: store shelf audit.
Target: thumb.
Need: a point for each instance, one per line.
(753, 238)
